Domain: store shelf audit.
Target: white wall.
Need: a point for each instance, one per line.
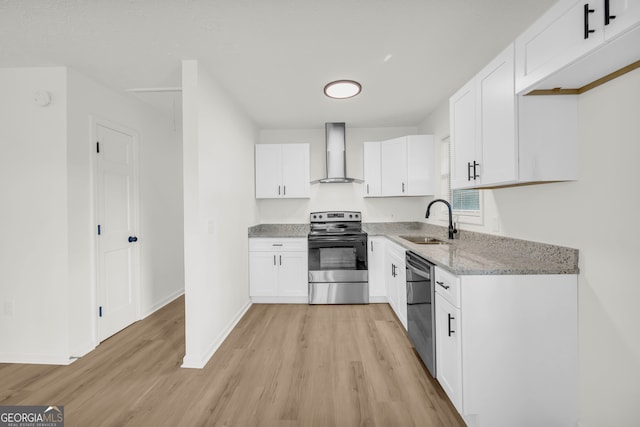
(33, 217)
(595, 215)
(219, 206)
(47, 224)
(160, 173)
(338, 196)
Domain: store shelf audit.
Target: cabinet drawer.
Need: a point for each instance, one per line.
(448, 286)
(261, 244)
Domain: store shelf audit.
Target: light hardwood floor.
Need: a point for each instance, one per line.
(283, 365)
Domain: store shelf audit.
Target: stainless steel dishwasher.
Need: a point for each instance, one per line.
(420, 309)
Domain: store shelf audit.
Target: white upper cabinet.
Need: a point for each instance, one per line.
(497, 122)
(282, 171)
(462, 108)
(501, 139)
(372, 169)
(557, 50)
(619, 16)
(557, 39)
(394, 167)
(402, 166)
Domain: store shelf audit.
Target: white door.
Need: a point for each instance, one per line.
(293, 279)
(263, 274)
(495, 92)
(295, 170)
(420, 165)
(463, 125)
(623, 14)
(371, 166)
(394, 167)
(117, 292)
(268, 171)
(449, 350)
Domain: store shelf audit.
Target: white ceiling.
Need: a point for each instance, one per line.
(274, 56)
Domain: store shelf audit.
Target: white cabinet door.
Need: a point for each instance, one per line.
(396, 280)
(372, 169)
(295, 170)
(292, 274)
(268, 171)
(376, 264)
(394, 167)
(263, 273)
(627, 15)
(278, 270)
(449, 350)
(497, 121)
(282, 171)
(557, 39)
(420, 165)
(401, 286)
(462, 110)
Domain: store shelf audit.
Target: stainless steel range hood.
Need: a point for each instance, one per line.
(334, 134)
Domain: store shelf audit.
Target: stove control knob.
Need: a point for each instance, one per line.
(320, 216)
(350, 216)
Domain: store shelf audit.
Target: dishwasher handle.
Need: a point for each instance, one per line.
(419, 267)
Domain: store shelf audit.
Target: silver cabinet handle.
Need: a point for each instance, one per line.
(280, 259)
(277, 244)
(403, 187)
(367, 188)
(284, 190)
(274, 260)
(278, 190)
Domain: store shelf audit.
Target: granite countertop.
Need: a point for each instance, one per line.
(469, 254)
(279, 230)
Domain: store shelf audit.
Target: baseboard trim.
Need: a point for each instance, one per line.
(280, 300)
(168, 300)
(35, 359)
(199, 363)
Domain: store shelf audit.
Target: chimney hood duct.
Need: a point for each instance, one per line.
(336, 155)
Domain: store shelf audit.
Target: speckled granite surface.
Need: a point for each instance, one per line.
(471, 253)
(478, 253)
(279, 230)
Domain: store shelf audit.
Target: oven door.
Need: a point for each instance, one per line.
(338, 269)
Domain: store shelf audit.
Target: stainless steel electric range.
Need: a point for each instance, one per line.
(337, 259)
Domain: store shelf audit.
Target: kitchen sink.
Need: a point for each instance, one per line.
(424, 240)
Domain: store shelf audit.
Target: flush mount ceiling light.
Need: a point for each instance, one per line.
(341, 89)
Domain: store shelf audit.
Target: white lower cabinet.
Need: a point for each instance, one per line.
(448, 350)
(395, 280)
(278, 270)
(506, 348)
(376, 265)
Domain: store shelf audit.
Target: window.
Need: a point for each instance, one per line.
(465, 201)
(466, 204)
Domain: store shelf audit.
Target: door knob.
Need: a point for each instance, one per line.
(133, 239)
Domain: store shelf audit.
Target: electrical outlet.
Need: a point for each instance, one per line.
(9, 308)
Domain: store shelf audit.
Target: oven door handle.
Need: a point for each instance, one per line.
(336, 239)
